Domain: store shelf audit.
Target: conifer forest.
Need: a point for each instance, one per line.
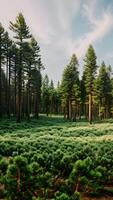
(56, 141)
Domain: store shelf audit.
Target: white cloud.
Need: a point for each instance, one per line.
(89, 10)
(99, 28)
(51, 23)
(56, 52)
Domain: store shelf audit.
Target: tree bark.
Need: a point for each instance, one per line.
(37, 106)
(19, 95)
(29, 92)
(90, 108)
(70, 110)
(7, 69)
(15, 87)
(9, 95)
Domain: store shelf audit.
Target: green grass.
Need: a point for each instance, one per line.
(56, 128)
(54, 132)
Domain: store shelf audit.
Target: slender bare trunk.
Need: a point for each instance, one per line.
(90, 108)
(70, 110)
(9, 92)
(15, 87)
(37, 105)
(19, 95)
(29, 92)
(7, 66)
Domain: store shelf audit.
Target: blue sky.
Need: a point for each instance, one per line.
(64, 27)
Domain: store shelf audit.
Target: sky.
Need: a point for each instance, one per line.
(64, 27)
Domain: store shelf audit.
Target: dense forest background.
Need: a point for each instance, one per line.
(24, 93)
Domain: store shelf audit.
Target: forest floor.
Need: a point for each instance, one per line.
(56, 128)
(55, 131)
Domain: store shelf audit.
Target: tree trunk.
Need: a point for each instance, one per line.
(37, 106)
(9, 94)
(77, 185)
(28, 92)
(64, 113)
(28, 102)
(15, 87)
(79, 111)
(23, 100)
(100, 114)
(75, 113)
(67, 110)
(7, 69)
(19, 95)
(70, 110)
(90, 108)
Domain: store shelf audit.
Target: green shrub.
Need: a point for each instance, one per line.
(62, 196)
(76, 196)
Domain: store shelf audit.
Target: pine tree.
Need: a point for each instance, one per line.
(52, 97)
(90, 73)
(83, 96)
(3, 90)
(37, 78)
(103, 91)
(36, 84)
(45, 97)
(58, 99)
(21, 31)
(15, 63)
(69, 83)
(8, 54)
(29, 61)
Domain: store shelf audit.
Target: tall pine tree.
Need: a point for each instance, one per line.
(90, 67)
(103, 91)
(21, 31)
(69, 85)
